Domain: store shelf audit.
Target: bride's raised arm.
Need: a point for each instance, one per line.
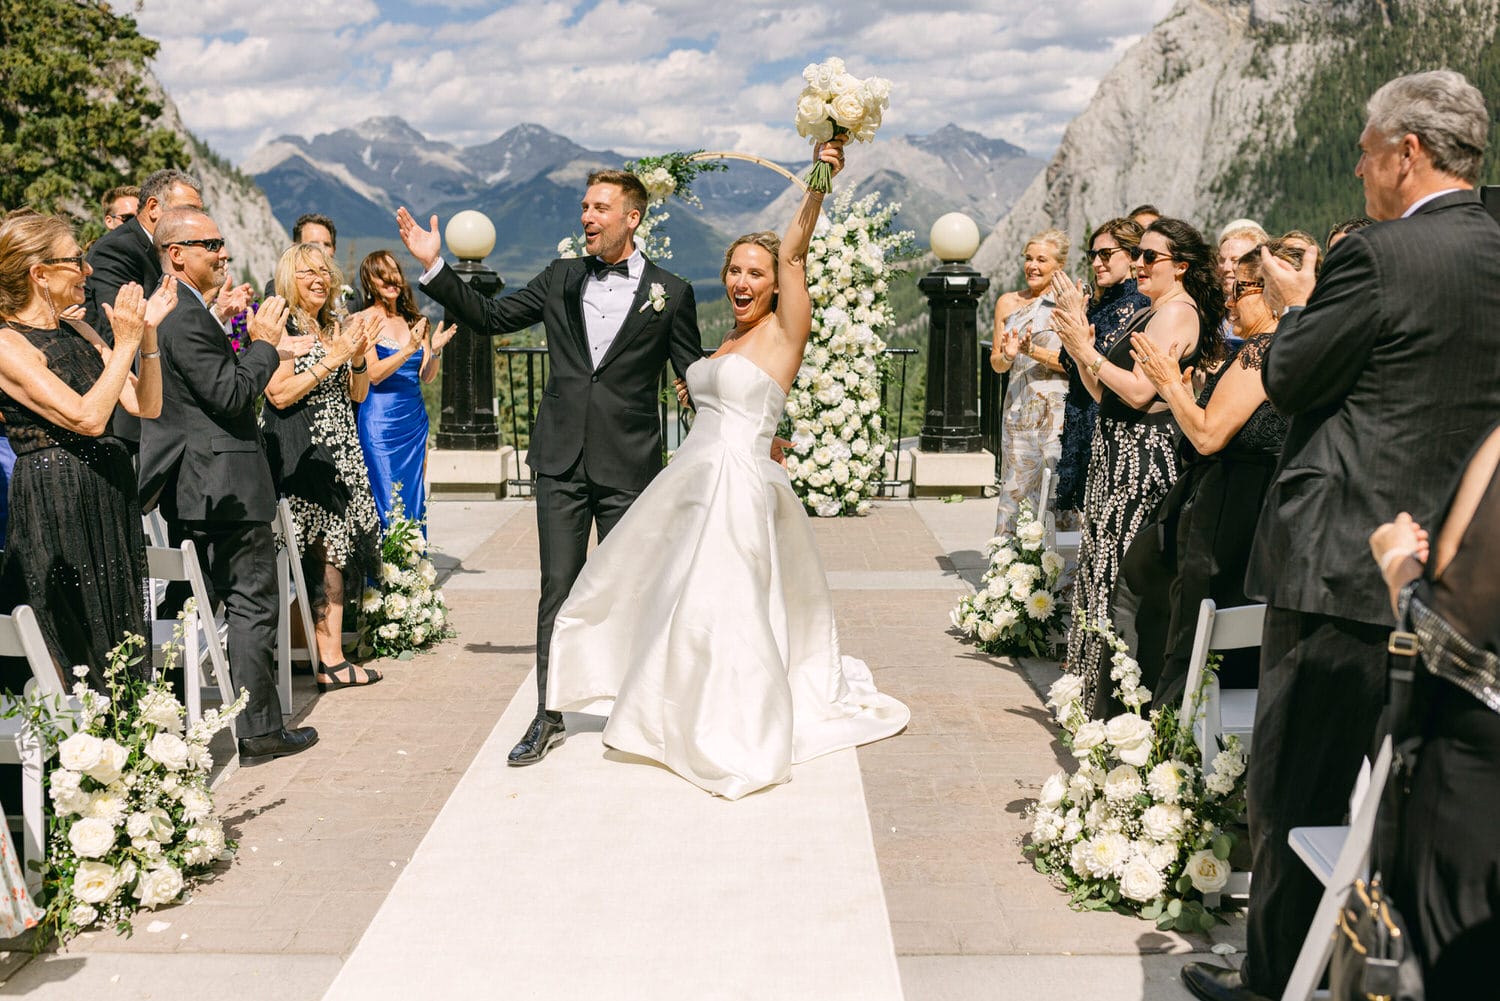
(793, 306)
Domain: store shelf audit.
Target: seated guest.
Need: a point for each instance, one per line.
(120, 205)
(1032, 412)
(402, 355)
(1205, 526)
(76, 553)
(313, 445)
(202, 462)
(1447, 877)
(1343, 229)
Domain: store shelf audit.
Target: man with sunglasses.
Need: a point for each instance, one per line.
(120, 205)
(203, 463)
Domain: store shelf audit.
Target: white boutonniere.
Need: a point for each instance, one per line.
(656, 298)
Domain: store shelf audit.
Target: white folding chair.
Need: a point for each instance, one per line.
(1337, 856)
(204, 631)
(20, 636)
(1065, 543)
(155, 527)
(1218, 711)
(292, 590)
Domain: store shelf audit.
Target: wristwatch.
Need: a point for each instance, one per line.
(1095, 366)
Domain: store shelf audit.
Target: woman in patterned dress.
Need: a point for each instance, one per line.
(313, 444)
(1134, 459)
(1026, 346)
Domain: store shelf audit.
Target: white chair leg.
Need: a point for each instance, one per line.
(192, 670)
(284, 632)
(33, 812)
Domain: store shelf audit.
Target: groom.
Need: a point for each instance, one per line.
(612, 320)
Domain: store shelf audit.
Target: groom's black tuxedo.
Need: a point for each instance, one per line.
(597, 438)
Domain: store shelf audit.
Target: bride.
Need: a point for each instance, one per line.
(705, 617)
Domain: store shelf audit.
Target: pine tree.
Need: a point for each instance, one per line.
(76, 117)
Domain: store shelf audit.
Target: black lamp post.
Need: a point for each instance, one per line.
(467, 421)
(953, 291)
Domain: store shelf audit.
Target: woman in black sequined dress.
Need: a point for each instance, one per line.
(1232, 438)
(76, 553)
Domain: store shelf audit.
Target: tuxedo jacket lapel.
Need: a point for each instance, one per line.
(641, 315)
(573, 299)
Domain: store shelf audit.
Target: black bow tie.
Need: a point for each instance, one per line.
(599, 269)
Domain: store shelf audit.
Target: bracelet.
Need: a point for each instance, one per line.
(151, 354)
(360, 368)
(1393, 556)
(1095, 366)
(319, 364)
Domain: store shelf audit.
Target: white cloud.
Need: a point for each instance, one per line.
(629, 75)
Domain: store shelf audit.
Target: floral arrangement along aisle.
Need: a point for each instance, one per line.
(132, 823)
(839, 443)
(664, 176)
(1141, 826)
(1019, 607)
(408, 612)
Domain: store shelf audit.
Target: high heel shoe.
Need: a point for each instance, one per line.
(371, 677)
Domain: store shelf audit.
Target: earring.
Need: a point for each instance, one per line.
(47, 295)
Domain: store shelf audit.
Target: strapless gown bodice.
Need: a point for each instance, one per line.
(703, 625)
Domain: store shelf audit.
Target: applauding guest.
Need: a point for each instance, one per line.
(315, 454)
(1135, 461)
(1026, 346)
(75, 553)
(393, 418)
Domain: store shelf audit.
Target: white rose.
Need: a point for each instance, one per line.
(1208, 872)
(63, 781)
(70, 801)
(111, 762)
(1219, 784)
(389, 631)
(1164, 782)
(988, 631)
(389, 573)
(80, 752)
(159, 886)
(1162, 822)
(1031, 534)
(1088, 736)
(395, 605)
(91, 837)
(1080, 860)
(1006, 619)
(848, 110)
(1080, 789)
(428, 572)
(162, 710)
(1163, 855)
(1122, 783)
(1141, 881)
(1065, 691)
(1053, 790)
(1230, 763)
(95, 882)
(1046, 826)
(153, 823)
(168, 750)
(1131, 738)
(83, 915)
(1052, 564)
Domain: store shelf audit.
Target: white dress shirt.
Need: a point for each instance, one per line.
(607, 302)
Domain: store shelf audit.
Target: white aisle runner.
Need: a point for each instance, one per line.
(591, 876)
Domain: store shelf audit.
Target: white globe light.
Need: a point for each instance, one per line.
(954, 237)
(470, 235)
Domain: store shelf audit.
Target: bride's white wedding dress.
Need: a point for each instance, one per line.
(705, 615)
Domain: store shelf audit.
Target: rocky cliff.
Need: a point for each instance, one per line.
(1242, 107)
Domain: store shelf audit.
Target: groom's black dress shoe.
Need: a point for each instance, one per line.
(1216, 983)
(278, 744)
(545, 730)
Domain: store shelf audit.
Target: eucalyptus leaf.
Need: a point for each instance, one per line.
(1174, 907)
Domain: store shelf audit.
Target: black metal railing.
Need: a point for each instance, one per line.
(893, 371)
(991, 398)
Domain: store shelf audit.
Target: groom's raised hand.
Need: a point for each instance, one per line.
(426, 245)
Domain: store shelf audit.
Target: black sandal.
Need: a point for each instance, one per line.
(371, 677)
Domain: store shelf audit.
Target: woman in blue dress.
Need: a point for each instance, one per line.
(403, 354)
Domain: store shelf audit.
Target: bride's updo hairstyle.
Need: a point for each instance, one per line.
(765, 240)
(26, 240)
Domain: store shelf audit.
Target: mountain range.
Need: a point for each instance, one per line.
(528, 181)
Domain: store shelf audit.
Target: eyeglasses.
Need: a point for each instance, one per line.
(1239, 289)
(1148, 258)
(76, 261)
(213, 246)
(311, 274)
(1104, 253)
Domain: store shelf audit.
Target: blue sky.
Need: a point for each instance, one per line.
(633, 76)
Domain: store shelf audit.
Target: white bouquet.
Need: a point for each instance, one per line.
(834, 105)
(1019, 605)
(408, 612)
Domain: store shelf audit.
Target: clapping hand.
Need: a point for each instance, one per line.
(1401, 537)
(1285, 284)
(1159, 366)
(268, 323)
(425, 244)
(1014, 343)
(232, 299)
(1070, 317)
(361, 328)
(441, 336)
(127, 317)
(162, 301)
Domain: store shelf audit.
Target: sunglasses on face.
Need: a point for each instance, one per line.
(76, 261)
(1148, 258)
(122, 216)
(213, 246)
(1103, 254)
(312, 274)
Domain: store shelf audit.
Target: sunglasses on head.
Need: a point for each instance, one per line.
(1239, 289)
(213, 246)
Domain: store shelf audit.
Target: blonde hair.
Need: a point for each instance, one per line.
(26, 240)
(1057, 240)
(310, 255)
(1242, 229)
(765, 240)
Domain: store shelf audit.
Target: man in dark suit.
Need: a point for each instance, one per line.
(613, 320)
(1389, 368)
(203, 463)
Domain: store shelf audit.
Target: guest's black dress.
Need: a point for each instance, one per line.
(75, 551)
(1447, 882)
(1116, 305)
(1197, 544)
(1133, 466)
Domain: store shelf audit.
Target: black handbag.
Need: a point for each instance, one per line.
(1373, 956)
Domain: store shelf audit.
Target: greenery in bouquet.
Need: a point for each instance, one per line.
(1141, 826)
(664, 176)
(1019, 605)
(406, 612)
(839, 441)
(132, 823)
(835, 104)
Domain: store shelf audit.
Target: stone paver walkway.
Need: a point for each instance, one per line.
(324, 835)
